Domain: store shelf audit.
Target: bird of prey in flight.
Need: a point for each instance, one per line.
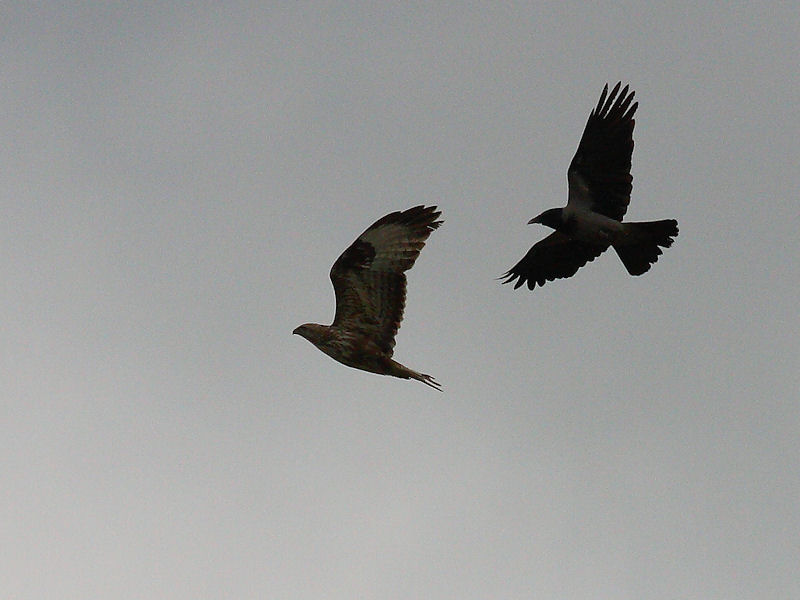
(370, 285)
(599, 179)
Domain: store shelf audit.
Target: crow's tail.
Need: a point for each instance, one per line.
(640, 245)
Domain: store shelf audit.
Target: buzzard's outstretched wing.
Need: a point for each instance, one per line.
(599, 175)
(369, 277)
(555, 257)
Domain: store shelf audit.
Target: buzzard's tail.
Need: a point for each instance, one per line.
(404, 372)
(638, 248)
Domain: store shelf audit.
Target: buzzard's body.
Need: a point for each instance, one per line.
(599, 178)
(370, 285)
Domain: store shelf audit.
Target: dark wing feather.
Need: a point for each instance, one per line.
(600, 172)
(555, 257)
(369, 277)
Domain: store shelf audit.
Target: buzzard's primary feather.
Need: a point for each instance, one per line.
(370, 285)
(600, 185)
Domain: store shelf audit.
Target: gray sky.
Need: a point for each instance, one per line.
(176, 185)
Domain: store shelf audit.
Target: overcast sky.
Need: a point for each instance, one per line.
(176, 184)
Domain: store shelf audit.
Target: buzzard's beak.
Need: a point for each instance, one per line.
(296, 330)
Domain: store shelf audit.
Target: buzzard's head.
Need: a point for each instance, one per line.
(550, 218)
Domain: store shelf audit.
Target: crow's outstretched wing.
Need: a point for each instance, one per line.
(599, 175)
(555, 257)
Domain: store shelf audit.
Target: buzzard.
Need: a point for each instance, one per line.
(370, 285)
(599, 179)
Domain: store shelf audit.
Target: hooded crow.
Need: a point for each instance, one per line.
(599, 179)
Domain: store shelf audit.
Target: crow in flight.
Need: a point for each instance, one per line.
(599, 179)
